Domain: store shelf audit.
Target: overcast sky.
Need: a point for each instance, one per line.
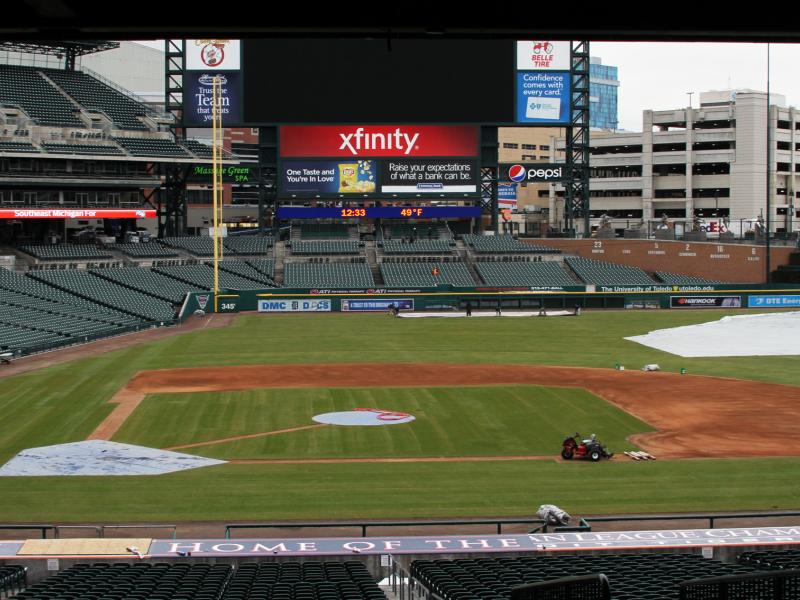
(658, 75)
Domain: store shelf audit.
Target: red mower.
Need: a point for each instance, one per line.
(590, 449)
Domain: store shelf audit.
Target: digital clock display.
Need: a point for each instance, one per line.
(380, 212)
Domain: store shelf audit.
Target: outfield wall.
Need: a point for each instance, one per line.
(737, 263)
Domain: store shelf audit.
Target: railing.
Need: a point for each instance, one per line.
(585, 587)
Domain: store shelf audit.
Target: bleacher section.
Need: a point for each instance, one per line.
(632, 576)
(431, 231)
(148, 282)
(303, 581)
(421, 274)
(677, 279)
(138, 581)
(12, 579)
(504, 244)
(524, 274)
(262, 265)
(26, 88)
(245, 269)
(17, 147)
(65, 252)
(249, 244)
(105, 292)
(96, 96)
(321, 231)
(144, 250)
(604, 273)
(152, 147)
(58, 148)
(418, 246)
(199, 246)
(202, 277)
(325, 247)
(198, 148)
(328, 275)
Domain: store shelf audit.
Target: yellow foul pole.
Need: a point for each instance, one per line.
(216, 169)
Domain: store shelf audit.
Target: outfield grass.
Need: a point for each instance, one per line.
(66, 403)
(450, 421)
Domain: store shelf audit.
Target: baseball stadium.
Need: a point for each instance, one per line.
(308, 354)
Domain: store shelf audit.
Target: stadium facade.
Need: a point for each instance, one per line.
(708, 162)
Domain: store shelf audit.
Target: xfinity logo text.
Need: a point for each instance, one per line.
(360, 141)
(534, 172)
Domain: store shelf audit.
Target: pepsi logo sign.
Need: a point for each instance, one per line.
(516, 173)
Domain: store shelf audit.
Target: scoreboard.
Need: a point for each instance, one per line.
(380, 212)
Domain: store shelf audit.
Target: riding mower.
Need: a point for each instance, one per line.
(591, 449)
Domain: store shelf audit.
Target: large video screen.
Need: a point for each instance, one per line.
(295, 81)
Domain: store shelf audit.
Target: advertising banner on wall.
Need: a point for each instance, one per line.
(382, 305)
(76, 213)
(230, 173)
(294, 305)
(772, 301)
(213, 55)
(705, 301)
(327, 177)
(442, 176)
(409, 141)
(507, 195)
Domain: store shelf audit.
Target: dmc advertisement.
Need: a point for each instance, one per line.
(294, 306)
(381, 305)
(543, 97)
(772, 301)
(443, 176)
(705, 301)
(327, 177)
(198, 98)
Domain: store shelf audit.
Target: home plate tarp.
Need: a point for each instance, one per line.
(100, 457)
(772, 334)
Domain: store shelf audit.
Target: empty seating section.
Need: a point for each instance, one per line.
(303, 581)
(526, 274)
(152, 147)
(26, 88)
(321, 231)
(199, 246)
(144, 250)
(249, 244)
(103, 291)
(97, 96)
(263, 265)
(326, 247)
(678, 279)
(17, 147)
(57, 148)
(65, 252)
(767, 560)
(245, 269)
(198, 148)
(430, 231)
(422, 274)
(632, 576)
(503, 244)
(418, 246)
(604, 273)
(202, 277)
(12, 578)
(138, 581)
(148, 282)
(329, 275)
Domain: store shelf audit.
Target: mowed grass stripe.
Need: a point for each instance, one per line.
(385, 491)
(449, 421)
